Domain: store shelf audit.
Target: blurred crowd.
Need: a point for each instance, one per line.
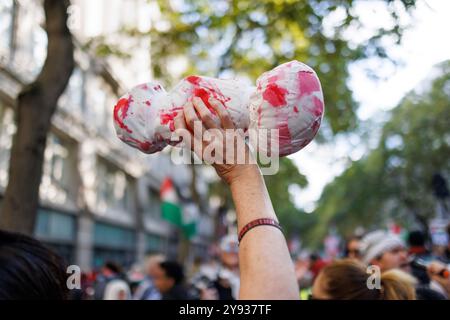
(159, 278)
(379, 265)
(374, 266)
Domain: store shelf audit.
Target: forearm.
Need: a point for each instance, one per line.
(267, 271)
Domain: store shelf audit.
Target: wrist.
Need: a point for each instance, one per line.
(243, 174)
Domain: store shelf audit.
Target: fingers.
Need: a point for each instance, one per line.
(205, 113)
(224, 116)
(190, 115)
(179, 122)
(180, 129)
(435, 267)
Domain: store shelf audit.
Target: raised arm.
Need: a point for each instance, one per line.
(266, 269)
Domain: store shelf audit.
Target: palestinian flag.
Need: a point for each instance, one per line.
(172, 212)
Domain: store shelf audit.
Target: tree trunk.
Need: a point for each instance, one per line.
(36, 104)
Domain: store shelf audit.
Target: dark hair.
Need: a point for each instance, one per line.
(416, 239)
(114, 267)
(173, 270)
(29, 270)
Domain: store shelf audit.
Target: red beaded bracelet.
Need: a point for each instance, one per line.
(258, 222)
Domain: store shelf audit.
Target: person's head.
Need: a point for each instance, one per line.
(353, 248)
(111, 268)
(29, 270)
(229, 247)
(167, 275)
(384, 250)
(152, 262)
(416, 239)
(347, 280)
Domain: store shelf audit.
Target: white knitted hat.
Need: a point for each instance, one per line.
(377, 242)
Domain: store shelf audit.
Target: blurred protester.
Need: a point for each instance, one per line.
(146, 289)
(387, 251)
(302, 270)
(135, 277)
(418, 250)
(347, 280)
(302, 265)
(447, 250)
(110, 283)
(168, 277)
(29, 270)
(439, 273)
(417, 244)
(221, 281)
(317, 264)
(353, 248)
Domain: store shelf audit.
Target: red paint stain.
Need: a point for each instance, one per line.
(318, 104)
(295, 109)
(148, 103)
(284, 139)
(120, 112)
(157, 88)
(168, 118)
(206, 91)
(204, 95)
(275, 95)
(143, 86)
(195, 80)
(144, 146)
(308, 83)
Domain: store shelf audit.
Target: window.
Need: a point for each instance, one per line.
(59, 183)
(113, 237)
(52, 225)
(6, 30)
(113, 243)
(154, 244)
(57, 230)
(31, 39)
(7, 129)
(72, 99)
(153, 206)
(97, 92)
(114, 188)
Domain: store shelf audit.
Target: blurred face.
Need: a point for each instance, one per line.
(160, 279)
(353, 248)
(230, 259)
(395, 258)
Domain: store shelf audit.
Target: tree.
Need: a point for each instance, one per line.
(246, 38)
(394, 182)
(36, 104)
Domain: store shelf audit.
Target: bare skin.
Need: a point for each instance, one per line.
(433, 272)
(266, 269)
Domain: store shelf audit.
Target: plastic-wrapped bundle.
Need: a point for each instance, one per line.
(288, 98)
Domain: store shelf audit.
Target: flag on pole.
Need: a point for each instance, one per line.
(171, 209)
(170, 206)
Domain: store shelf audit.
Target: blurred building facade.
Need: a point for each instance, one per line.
(99, 197)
